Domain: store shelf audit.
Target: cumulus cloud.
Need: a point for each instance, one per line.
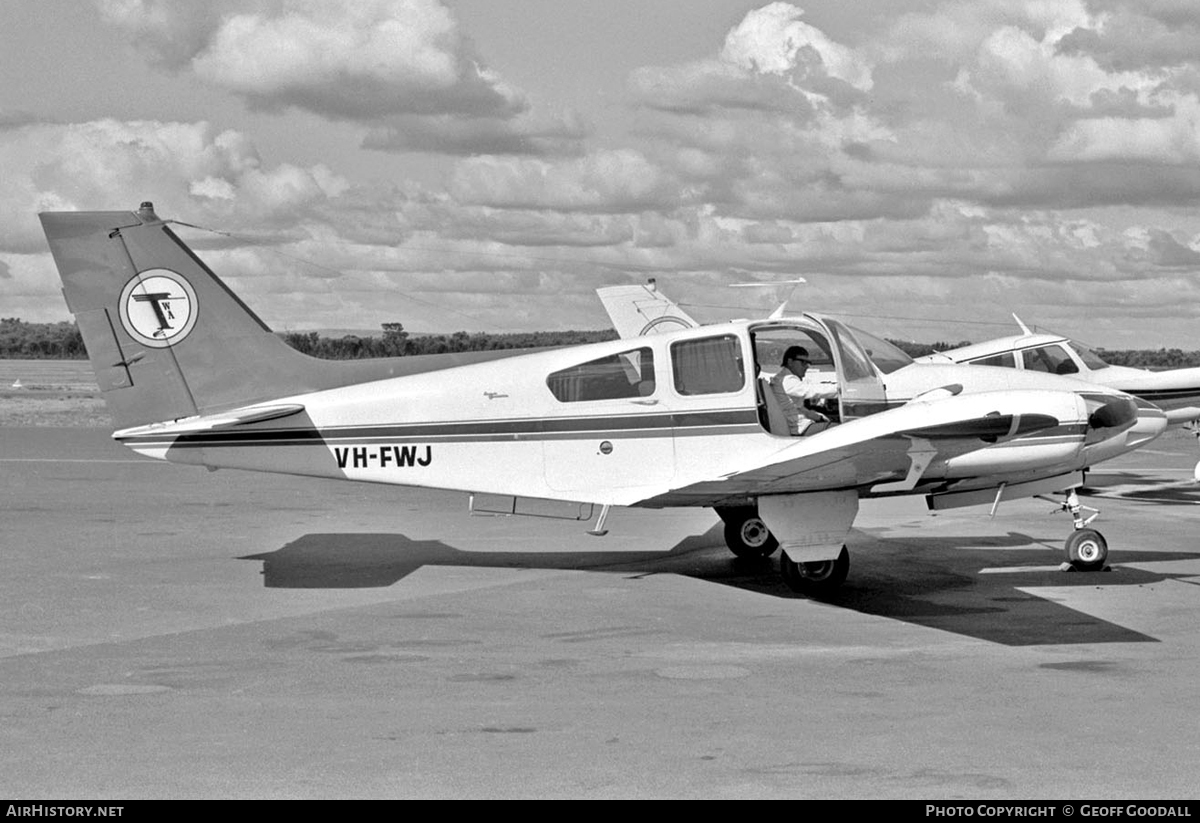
(352, 60)
(403, 67)
(1170, 253)
(189, 167)
(771, 60)
(1139, 35)
(615, 181)
(774, 40)
(1169, 140)
(357, 60)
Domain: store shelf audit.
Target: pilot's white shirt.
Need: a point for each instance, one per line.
(791, 392)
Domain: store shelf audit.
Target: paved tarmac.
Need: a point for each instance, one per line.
(166, 632)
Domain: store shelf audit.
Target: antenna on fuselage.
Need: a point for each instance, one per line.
(1025, 329)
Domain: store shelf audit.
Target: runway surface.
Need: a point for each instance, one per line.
(172, 633)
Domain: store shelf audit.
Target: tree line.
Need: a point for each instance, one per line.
(396, 342)
(62, 340)
(32, 341)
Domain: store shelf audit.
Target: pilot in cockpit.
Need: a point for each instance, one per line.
(792, 391)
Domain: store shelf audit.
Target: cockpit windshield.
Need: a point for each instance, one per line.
(886, 356)
(1089, 357)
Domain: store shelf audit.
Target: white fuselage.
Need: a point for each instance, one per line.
(501, 428)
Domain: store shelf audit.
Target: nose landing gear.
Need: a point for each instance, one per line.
(1086, 549)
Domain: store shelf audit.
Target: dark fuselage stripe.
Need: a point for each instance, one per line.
(706, 424)
(1168, 394)
(656, 425)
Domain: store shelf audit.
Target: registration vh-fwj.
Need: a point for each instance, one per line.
(191, 375)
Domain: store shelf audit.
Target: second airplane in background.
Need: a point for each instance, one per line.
(1175, 391)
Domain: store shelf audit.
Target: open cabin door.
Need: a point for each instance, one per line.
(836, 356)
(862, 388)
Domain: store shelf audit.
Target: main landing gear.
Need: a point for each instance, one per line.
(749, 538)
(815, 579)
(1087, 550)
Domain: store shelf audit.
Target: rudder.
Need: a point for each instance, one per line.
(166, 338)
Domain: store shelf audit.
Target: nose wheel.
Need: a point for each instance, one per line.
(1086, 548)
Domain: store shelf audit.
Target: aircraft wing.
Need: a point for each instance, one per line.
(889, 451)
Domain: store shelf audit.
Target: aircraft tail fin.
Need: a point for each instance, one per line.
(636, 311)
(168, 340)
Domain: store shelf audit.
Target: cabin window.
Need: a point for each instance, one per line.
(618, 376)
(771, 343)
(1050, 359)
(711, 365)
(1006, 360)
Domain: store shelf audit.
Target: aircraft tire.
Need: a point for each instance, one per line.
(817, 579)
(748, 536)
(1087, 550)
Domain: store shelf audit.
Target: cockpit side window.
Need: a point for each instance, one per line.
(1006, 360)
(710, 365)
(771, 343)
(1051, 359)
(628, 374)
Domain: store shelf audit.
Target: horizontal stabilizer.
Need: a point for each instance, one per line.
(223, 420)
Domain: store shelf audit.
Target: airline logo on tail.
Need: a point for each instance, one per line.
(158, 308)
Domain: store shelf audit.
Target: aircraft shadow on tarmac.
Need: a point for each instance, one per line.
(928, 582)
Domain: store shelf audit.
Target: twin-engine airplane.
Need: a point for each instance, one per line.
(1175, 391)
(191, 375)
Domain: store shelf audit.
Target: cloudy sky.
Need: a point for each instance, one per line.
(929, 167)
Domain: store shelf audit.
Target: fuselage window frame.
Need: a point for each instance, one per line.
(626, 375)
(1004, 360)
(708, 365)
(1052, 358)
